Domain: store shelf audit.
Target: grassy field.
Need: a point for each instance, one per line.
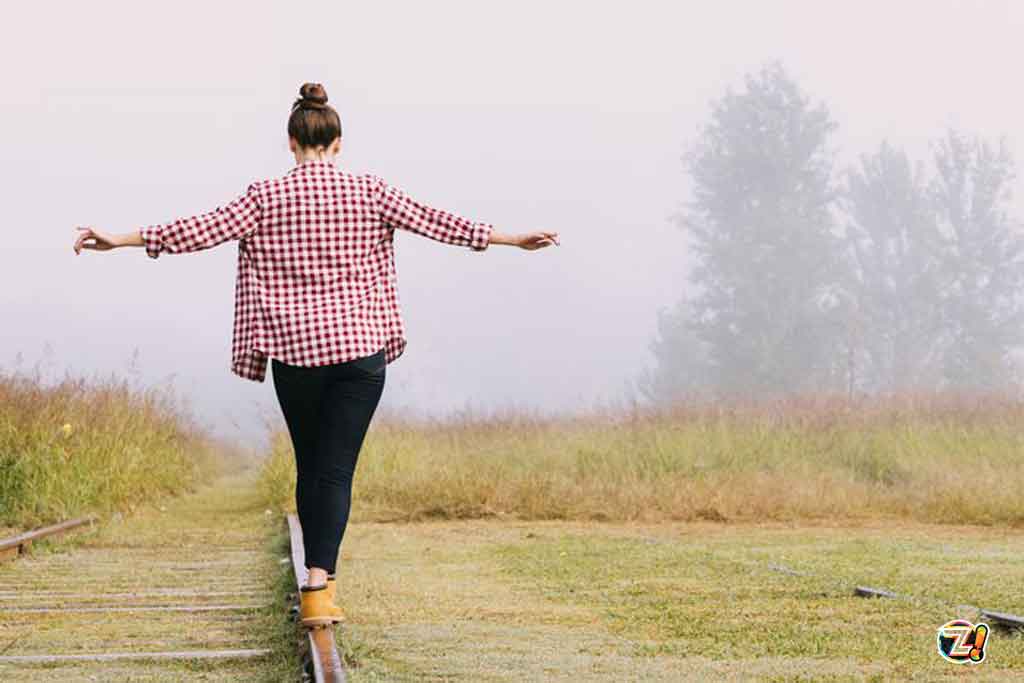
(101, 446)
(937, 459)
(697, 543)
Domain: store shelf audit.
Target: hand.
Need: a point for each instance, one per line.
(536, 240)
(100, 241)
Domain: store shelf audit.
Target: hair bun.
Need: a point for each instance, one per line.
(312, 94)
(312, 122)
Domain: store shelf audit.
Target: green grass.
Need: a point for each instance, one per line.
(488, 600)
(80, 446)
(717, 597)
(948, 459)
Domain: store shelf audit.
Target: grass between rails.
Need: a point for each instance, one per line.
(83, 446)
(217, 538)
(931, 458)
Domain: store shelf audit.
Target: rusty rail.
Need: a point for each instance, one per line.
(14, 546)
(323, 664)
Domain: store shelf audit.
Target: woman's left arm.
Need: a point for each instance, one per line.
(235, 220)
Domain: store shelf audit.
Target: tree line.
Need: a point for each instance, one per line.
(891, 274)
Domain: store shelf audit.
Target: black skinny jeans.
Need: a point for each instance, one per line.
(328, 410)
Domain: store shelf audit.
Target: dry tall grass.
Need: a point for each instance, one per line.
(940, 458)
(81, 446)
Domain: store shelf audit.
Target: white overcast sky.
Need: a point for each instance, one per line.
(569, 116)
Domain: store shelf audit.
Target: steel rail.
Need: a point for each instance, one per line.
(17, 545)
(323, 659)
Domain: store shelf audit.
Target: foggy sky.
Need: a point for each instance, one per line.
(568, 116)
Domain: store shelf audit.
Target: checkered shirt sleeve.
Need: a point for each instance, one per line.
(237, 219)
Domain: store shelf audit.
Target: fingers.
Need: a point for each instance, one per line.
(80, 242)
(539, 239)
(544, 239)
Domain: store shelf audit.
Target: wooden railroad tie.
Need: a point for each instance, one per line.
(111, 656)
(132, 608)
(1007, 621)
(15, 546)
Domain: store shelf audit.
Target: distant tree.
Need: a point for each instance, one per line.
(762, 228)
(982, 270)
(894, 246)
(682, 358)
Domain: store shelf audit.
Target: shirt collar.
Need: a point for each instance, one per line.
(311, 163)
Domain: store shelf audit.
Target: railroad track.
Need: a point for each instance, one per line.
(143, 598)
(321, 661)
(15, 546)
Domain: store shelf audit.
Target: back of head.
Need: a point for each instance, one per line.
(313, 122)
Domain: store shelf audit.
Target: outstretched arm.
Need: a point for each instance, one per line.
(399, 210)
(90, 238)
(529, 241)
(239, 218)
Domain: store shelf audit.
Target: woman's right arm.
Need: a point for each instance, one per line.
(236, 219)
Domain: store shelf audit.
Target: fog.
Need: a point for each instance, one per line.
(568, 116)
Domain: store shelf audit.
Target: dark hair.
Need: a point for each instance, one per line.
(313, 122)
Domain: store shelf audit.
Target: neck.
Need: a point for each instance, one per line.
(314, 155)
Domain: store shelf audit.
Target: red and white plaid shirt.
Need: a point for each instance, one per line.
(316, 281)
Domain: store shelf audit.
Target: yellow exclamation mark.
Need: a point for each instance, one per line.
(980, 633)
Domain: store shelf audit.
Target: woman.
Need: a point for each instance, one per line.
(316, 293)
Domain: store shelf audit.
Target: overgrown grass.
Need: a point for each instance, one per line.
(933, 458)
(276, 482)
(80, 446)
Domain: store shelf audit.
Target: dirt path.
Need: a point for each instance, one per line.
(209, 552)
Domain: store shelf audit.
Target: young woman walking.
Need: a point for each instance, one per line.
(315, 293)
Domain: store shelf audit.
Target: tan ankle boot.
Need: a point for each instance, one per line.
(316, 608)
(332, 594)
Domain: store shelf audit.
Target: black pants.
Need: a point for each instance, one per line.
(327, 410)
